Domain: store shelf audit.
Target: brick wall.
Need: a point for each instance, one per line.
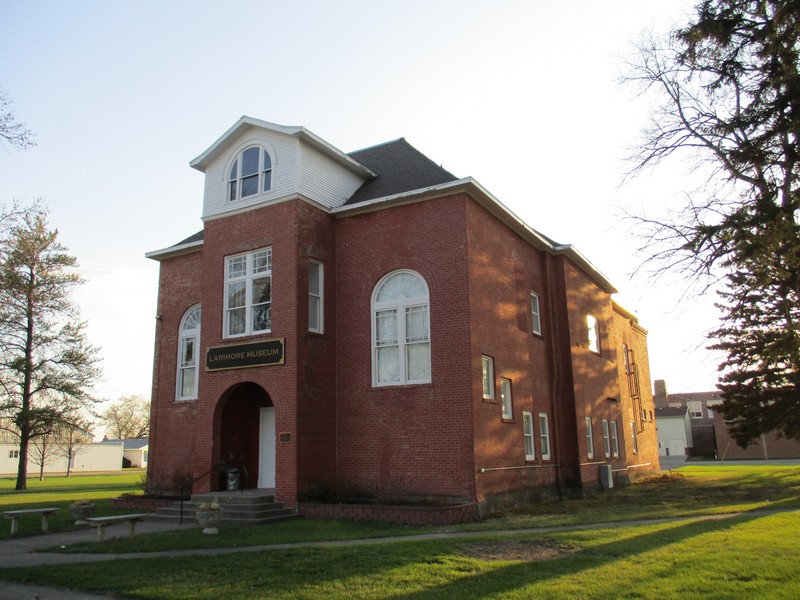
(404, 440)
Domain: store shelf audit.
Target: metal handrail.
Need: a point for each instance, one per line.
(190, 485)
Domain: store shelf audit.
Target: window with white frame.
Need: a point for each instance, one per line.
(589, 438)
(606, 439)
(544, 435)
(536, 315)
(527, 435)
(315, 304)
(594, 333)
(634, 439)
(626, 359)
(505, 398)
(487, 376)
(401, 330)
(188, 350)
(250, 173)
(695, 409)
(248, 293)
(614, 439)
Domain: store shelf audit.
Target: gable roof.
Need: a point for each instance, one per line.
(244, 123)
(399, 167)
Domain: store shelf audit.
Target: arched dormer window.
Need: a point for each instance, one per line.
(250, 174)
(401, 330)
(188, 350)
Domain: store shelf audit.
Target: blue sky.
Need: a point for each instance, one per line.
(520, 95)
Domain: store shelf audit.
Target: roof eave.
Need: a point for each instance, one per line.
(485, 198)
(218, 147)
(173, 251)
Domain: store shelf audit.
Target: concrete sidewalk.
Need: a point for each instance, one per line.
(22, 552)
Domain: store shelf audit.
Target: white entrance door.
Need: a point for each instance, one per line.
(266, 448)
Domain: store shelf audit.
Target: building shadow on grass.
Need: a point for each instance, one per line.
(497, 582)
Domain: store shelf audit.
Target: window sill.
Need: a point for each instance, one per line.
(400, 386)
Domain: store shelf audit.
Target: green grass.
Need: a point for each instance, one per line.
(752, 555)
(61, 492)
(746, 557)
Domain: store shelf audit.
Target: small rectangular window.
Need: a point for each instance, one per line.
(527, 435)
(544, 435)
(633, 438)
(536, 316)
(593, 333)
(505, 398)
(614, 439)
(487, 372)
(589, 438)
(315, 304)
(606, 439)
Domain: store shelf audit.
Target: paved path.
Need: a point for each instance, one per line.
(22, 552)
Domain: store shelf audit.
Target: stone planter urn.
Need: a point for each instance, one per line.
(209, 517)
(81, 511)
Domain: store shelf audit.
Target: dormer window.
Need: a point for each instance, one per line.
(250, 174)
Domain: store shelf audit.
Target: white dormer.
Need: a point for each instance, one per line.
(256, 163)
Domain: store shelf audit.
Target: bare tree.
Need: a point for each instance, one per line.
(12, 132)
(41, 453)
(727, 87)
(128, 418)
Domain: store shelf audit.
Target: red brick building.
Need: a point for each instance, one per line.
(367, 325)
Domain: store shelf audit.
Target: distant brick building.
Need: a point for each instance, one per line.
(367, 325)
(709, 433)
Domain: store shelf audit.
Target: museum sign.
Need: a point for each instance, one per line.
(244, 356)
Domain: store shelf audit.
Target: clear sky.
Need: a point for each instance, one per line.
(520, 95)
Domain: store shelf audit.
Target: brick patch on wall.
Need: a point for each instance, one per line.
(402, 515)
(133, 503)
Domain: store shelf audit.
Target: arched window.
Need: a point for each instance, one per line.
(188, 350)
(250, 174)
(401, 330)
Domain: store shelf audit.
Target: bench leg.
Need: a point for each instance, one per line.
(101, 533)
(45, 523)
(14, 525)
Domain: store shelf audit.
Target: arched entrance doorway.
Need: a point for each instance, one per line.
(247, 435)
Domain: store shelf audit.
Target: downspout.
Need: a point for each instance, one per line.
(555, 370)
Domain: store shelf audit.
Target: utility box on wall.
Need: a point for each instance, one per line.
(606, 477)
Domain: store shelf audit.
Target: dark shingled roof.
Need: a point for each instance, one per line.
(671, 411)
(399, 168)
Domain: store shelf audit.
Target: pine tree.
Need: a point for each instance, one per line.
(47, 366)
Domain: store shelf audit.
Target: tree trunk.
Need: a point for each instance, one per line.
(22, 470)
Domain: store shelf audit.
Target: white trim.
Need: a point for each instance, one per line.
(544, 435)
(400, 308)
(589, 438)
(481, 195)
(488, 377)
(506, 403)
(527, 421)
(173, 251)
(220, 146)
(321, 296)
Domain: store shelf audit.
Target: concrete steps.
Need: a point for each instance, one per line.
(245, 507)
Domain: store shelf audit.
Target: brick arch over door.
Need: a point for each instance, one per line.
(239, 414)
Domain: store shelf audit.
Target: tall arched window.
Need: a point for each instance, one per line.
(401, 330)
(188, 349)
(250, 174)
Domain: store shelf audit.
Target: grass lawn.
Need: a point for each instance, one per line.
(752, 555)
(62, 491)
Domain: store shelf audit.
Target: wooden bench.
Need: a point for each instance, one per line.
(101, 522)
(14, 515)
